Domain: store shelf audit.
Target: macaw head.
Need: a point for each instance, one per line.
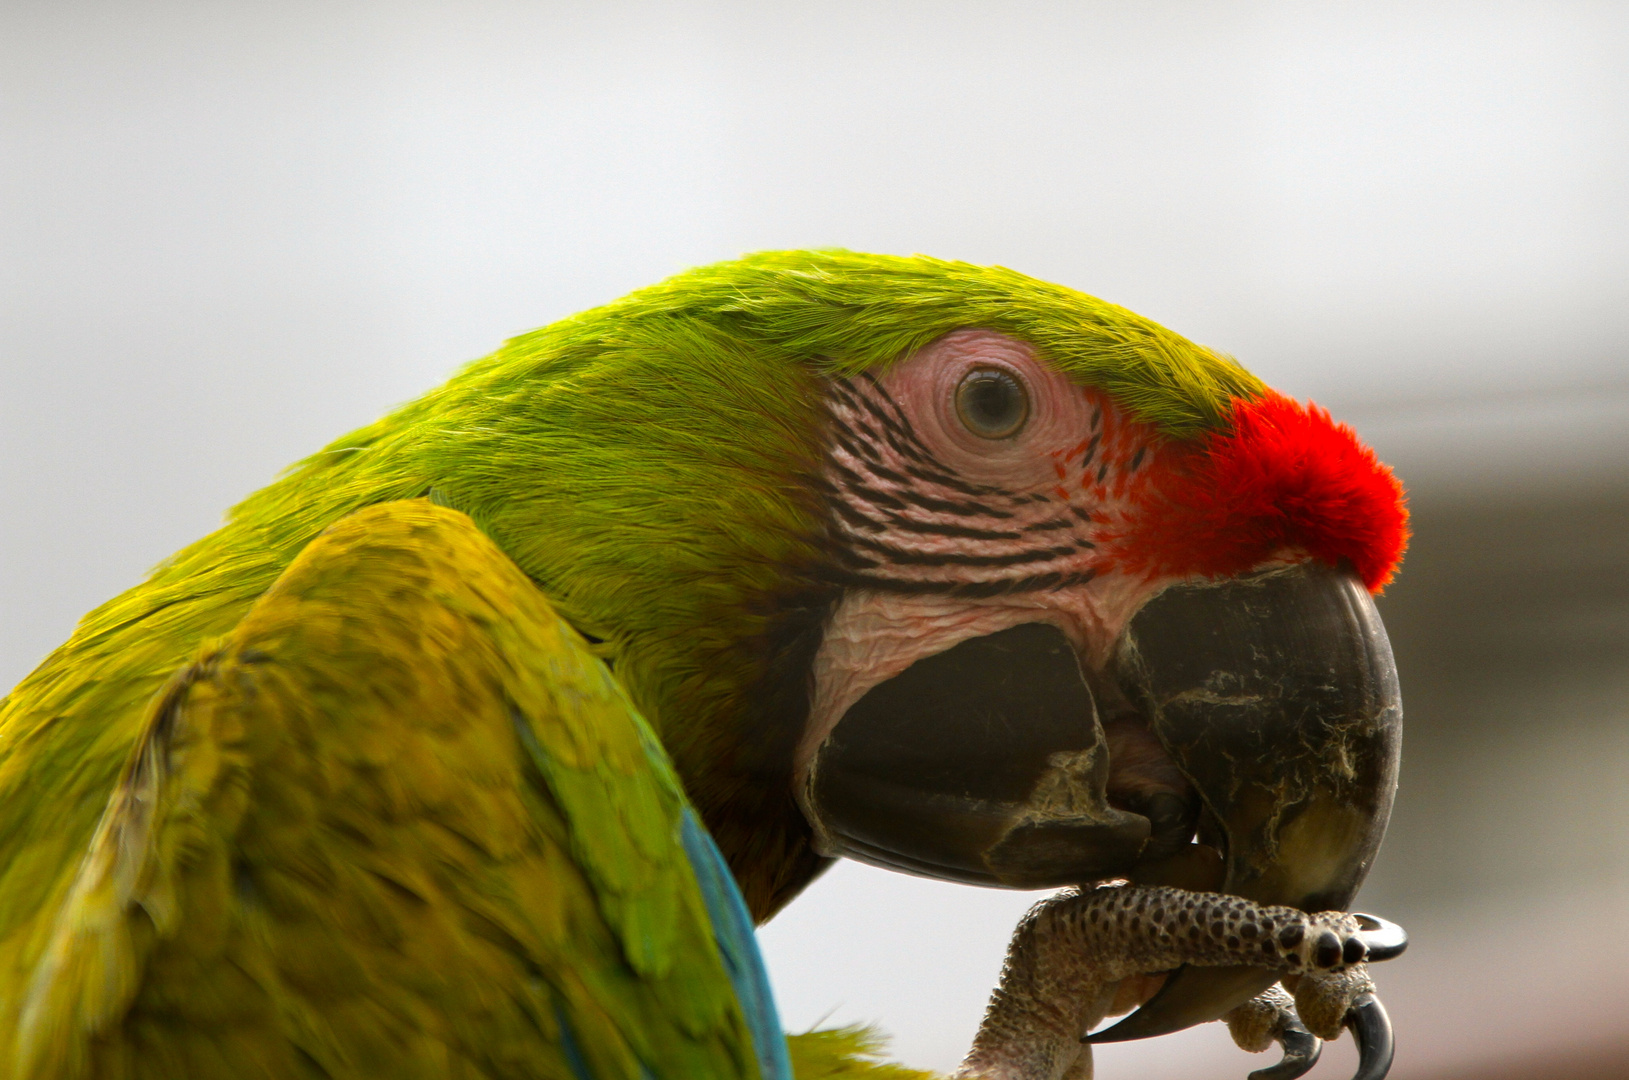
(960, 573)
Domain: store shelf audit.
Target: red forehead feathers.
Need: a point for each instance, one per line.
(1279, 474)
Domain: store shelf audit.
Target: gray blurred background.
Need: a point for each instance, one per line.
(232, 231)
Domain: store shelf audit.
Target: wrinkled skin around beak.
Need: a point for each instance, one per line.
(1274, 694)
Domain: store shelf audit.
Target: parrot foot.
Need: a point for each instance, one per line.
(1335, 1000)
(1328, 1001)
(1270, 1018)
(1084, 954)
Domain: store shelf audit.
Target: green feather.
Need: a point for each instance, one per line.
(847, 1053)
(857, 311)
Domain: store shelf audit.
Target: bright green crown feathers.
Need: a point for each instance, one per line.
(855, 311)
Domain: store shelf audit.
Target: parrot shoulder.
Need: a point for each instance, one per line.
(399, 821)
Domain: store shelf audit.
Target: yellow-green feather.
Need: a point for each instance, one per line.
(332, 846)
(847, 1053)
(860, 311)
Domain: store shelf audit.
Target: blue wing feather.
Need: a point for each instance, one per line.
(738, 944)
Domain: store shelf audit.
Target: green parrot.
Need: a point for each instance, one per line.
(477, 743)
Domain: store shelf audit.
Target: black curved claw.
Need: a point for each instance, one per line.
(1301, 1050)
(1385, 940)
(1371, 1030)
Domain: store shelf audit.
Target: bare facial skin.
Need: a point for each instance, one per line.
(926, 502)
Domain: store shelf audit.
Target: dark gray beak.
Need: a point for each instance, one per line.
(983, 764)
(1275, 695)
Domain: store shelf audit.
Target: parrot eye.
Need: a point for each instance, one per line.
(991, 403)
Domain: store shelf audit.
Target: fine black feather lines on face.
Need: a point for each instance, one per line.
(903, 521)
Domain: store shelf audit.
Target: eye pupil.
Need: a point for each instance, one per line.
(992, 404)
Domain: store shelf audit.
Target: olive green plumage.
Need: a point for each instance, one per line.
(649, 466)
(333, 857)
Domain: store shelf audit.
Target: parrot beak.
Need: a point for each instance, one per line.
(984, 764)
(1276, 695)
